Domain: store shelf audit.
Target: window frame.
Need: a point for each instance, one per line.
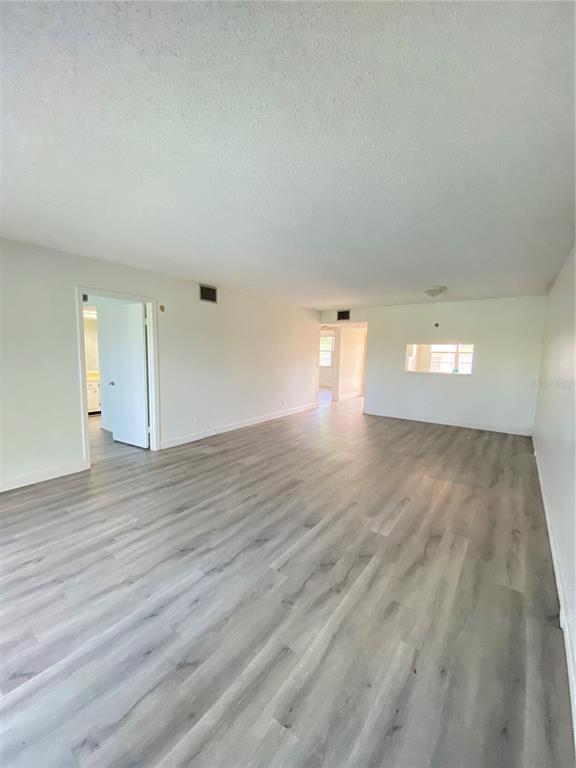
(457, 352)
(327, 335)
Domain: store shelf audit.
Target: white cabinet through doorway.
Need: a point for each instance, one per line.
(93, 396)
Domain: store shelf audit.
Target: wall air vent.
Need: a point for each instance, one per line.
(343, 314)
(436, 290)
(208, 293)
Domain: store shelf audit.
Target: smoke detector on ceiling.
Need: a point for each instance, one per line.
(436, 290)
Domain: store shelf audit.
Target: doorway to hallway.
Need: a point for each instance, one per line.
(118, 361)
(342, 361)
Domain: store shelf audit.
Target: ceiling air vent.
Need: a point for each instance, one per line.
(343, 314)
(436, 290)
(208, 293)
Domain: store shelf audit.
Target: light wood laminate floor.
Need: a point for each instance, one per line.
(330, 589)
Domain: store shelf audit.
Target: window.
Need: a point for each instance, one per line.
(326, 349)
(440, 358)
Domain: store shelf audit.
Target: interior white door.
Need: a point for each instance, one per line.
(124, 371)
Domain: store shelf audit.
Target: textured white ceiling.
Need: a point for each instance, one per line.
(331, 154)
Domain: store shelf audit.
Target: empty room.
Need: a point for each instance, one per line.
(287, 407)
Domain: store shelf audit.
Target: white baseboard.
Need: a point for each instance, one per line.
(506, 430)
(19, 481)
(201, 434)
(564, 617)
(349, 396)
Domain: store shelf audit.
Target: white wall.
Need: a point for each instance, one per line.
(555, 452)
(352, 351)
(500, 394)
(220, 366)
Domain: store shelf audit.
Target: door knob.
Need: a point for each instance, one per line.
(111, 384)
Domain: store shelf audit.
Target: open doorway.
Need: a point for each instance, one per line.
(327, 364)
(342, 362)
(118, 361)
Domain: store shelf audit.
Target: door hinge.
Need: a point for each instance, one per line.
(148, 430)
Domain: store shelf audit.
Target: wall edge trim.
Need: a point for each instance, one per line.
(519, 431)
(50, 473)
(567, 629)
(193, 437)
(350, 395)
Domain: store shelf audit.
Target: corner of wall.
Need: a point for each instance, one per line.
(564, 617)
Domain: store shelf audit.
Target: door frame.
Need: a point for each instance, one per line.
(337, 329)
(151, 314)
